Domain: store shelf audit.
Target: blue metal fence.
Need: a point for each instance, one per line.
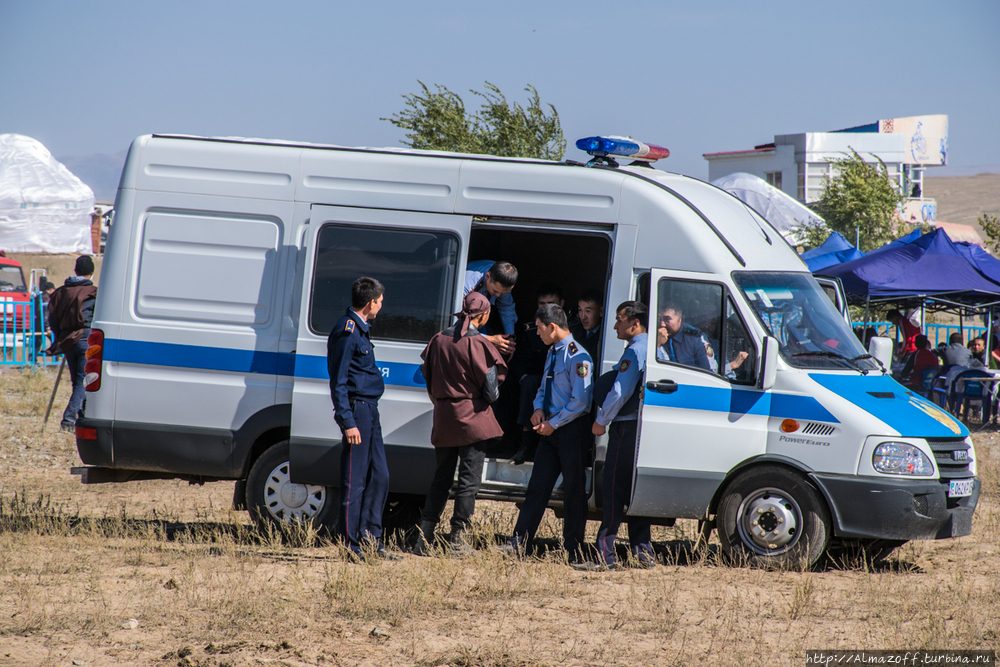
(24, 334)
(936, 333)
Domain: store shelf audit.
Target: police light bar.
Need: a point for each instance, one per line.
(600, 147)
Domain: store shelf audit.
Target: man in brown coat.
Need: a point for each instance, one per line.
(71, 312)
(463, 372)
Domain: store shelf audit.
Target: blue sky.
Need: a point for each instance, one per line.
(88, 77)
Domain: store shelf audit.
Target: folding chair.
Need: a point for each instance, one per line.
(972, 392)
(926, 381)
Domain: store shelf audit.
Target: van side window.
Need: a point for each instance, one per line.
(417, 268)
(691, 330)
(642, 288)
(739, 354)
(688, 319)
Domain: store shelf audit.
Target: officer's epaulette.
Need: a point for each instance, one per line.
(349, 326)
(690, 331)
(573, 349)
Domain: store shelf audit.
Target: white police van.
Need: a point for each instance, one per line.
(230, 259)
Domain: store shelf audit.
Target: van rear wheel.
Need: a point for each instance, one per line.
(272, 498)
(772, 517)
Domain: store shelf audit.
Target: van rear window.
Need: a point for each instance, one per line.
(417, 268)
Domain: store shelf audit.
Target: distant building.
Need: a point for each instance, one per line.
(797, 164)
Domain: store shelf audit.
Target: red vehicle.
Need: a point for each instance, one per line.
(14, 297)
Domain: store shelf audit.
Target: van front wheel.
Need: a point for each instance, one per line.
(272, 498)
(772, 517)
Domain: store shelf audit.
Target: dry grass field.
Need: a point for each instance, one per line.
(163, 573)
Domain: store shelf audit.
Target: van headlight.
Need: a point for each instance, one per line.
(900, 458)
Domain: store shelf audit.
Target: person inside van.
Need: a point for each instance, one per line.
(587, 327)
(495, 280)
(680, 342)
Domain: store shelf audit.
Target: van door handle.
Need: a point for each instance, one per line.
(662, 386)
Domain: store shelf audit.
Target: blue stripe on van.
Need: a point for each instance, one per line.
(690, 397)
(742, 402)
(394, 373)
(243, 361)
(197, 356)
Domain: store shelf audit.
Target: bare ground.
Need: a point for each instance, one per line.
(164, 573)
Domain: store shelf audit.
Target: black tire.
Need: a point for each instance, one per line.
(401, 516)
(273, 500)
(772, 517)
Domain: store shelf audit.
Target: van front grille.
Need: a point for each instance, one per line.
(952, 458)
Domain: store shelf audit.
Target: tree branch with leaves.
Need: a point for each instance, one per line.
(438, 120)
(862, 200)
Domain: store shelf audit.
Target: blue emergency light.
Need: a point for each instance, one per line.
(606, 147)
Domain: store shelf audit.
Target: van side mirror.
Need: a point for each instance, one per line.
(768, 364)
(880, 347)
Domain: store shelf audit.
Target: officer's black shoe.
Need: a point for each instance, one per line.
(67, 427)
(385, 554)
(509, 549)
(458, 546)
(591, 566)
(425, 540)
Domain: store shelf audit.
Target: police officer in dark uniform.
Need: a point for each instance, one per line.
(680, 342)
(356, 385)
(527, 368)
(618, 415)
(561, 402)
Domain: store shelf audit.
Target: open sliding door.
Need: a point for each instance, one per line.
(420, 259)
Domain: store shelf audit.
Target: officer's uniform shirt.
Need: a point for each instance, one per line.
(572, 382)
(630, 369)
(688, 347)
(474, 282)
(350, 358)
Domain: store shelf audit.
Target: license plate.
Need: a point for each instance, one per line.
(960, 487)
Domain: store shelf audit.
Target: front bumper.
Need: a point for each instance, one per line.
(896, 509)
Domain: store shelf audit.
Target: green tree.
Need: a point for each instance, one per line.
(861, 197)
(990, 225)
(438, 120)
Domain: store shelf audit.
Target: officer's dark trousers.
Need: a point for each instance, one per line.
(618, 467)
(562, 452)
(469, 459)
(364, 480)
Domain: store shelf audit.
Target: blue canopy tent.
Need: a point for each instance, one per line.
(834, 250)
(902, 240)
(931, 271)
(985, 263)
(929, 267)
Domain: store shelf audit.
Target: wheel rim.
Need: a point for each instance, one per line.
(769, 521)
(286, 501)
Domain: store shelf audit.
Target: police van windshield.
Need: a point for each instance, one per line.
(810, 331)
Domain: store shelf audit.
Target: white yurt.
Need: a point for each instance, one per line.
(43, 206)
